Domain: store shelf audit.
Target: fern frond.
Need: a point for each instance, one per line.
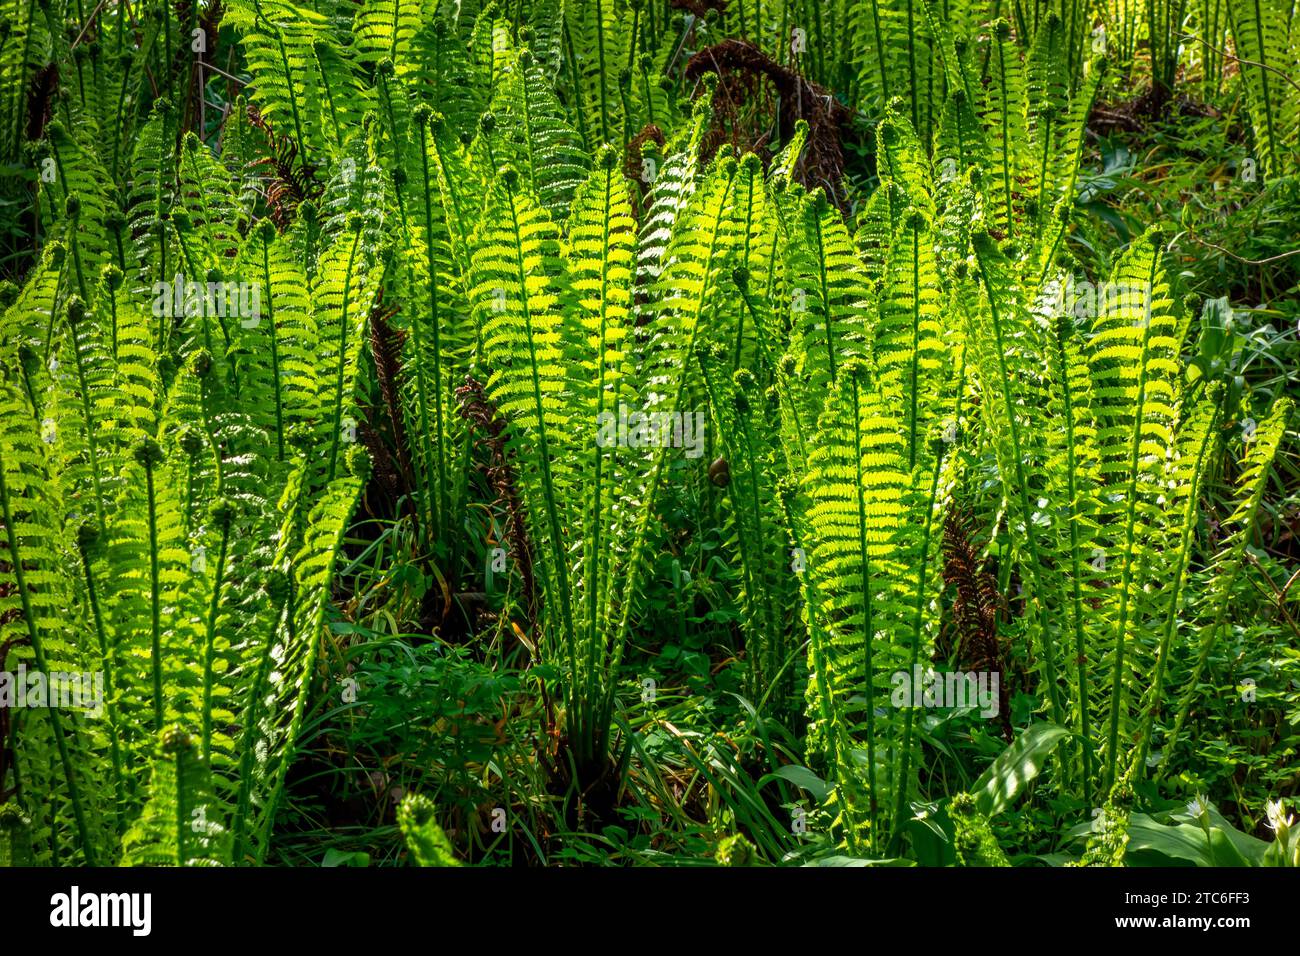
(180, 825)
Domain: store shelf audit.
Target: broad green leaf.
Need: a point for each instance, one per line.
(998, 787)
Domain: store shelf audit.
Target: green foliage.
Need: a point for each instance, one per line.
(639, 428)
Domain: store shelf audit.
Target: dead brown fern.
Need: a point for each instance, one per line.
(758, 103)
(976, 608)
(292, 181)
(481, 413)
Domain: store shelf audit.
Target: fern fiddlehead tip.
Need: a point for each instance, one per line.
(223, 513)
(191, 442)
(76, 310)
(201, 363)
(87, 537)
(148, 453)
(358, 463)
(175, 740)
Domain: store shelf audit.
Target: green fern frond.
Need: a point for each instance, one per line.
(1269, 44)
(181, 823)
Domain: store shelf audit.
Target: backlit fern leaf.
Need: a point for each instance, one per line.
(181, 824)
(1268, 41)
(826, 290)
(910, 356)
(1257, 464)
(281, 343)
(277, 705)
(517, 289)
(856, 487)
(1136, 381)
(535, 136)
(387, 29)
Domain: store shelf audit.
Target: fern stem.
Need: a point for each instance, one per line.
(108, 659)
(76, 261)
(868, 626)
(914, 358)
(92, 450)
(914, 653)
(335, 124)
(112, 309)
(911, 65)
(209, 644)
(591, 632)
(1004, 118)
(600, 51)
(1076, 570)
(824, 289)
(155, 601)
(579, 114)
(437, 492)
(880, 51)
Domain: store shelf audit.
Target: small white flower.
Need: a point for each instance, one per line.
(1199, 806)
(1277, 815)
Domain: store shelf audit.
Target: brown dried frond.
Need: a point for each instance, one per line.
(386, 349)
(482, 414)
(383, 468)
(976, 606)
(743, 111)
(292, 181)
